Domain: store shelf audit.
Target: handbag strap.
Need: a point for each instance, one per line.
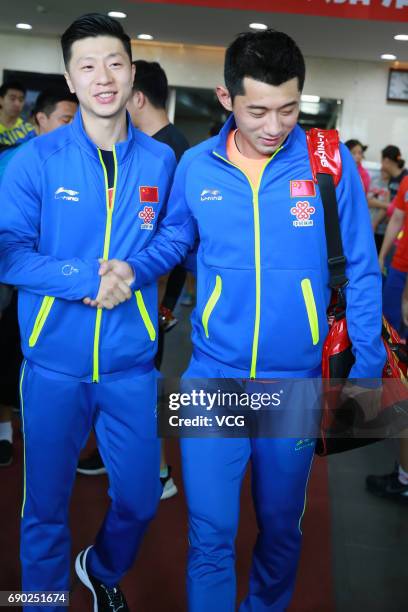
(324, 154)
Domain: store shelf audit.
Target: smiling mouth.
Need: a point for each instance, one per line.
(271, 140)
(106, 96)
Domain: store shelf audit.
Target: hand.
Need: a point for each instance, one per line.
(120, 292)
(369, 400)
(381, 263)
(112, 291)
(121, 269)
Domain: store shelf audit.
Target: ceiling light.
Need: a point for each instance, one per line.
(401, 37)
(144, 37)
(258, 26)
(388, 56)
(306, 98)
(117, 14)
(24, 26)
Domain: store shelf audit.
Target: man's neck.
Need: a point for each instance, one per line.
(7, 121)
(105, 132)
(152, 122)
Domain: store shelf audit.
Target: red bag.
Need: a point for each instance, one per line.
(343, 427)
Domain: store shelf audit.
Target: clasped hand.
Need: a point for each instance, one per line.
(116, 278)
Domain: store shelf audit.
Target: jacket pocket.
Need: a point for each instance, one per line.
(40, 320)
(145, 315)
(211, 303)
(311, 309)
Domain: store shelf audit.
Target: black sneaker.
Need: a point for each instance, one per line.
(92, 465)
(106, 599)
(6, 453)
(387, 485)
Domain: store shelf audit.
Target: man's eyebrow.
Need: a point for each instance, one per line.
(259, 107)
(92, 57)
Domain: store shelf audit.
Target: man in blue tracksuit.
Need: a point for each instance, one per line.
(262, 294)
(85, 193)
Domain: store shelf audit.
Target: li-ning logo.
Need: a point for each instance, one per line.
(321, 149)
(304, 443)
(68, 270)
(302, 211)
(66, 194)
(147, 215)
(210, 195)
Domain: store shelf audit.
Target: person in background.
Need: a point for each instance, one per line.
(394, 485)
(50, 111)
(379, 193)
(357, 150)
(393, 167)
(53, 109)
(13, 129)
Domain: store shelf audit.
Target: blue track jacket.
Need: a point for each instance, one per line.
(56, 221)
(262, 274)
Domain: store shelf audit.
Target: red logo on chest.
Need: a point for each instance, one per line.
(302, 211)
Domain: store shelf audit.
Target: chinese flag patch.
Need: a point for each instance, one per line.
(149, 194)
(300, 189)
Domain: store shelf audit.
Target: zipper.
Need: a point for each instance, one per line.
(311, 309)
(145, 315)
(40, 320)
(106, 244)
(255, 204)
(213, 299)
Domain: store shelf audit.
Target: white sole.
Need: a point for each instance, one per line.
(92, 472)
(83, 576)
(170, 492)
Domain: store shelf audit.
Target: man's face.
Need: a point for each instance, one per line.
(12, 103)
(101, 75)
(62, 114)
(386, 165)
(358, 154)
(265, 115)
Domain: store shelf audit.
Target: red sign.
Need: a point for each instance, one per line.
(149, 194)
(383, 10)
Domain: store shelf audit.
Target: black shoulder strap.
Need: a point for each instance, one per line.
(335, 255)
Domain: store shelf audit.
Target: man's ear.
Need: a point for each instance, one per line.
(139, 99)
(224, 97)
(41, 119)
(69, 82)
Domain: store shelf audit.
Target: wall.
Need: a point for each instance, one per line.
(361, 85)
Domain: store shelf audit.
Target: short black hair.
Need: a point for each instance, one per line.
(394, 154)
(48, 100)
(93, 24)
(12, 85)
(268, 56)
(151, 80)
(353, 142)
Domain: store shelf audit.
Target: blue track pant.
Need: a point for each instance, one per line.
(57, 418)
(392, 297)
(213, 469)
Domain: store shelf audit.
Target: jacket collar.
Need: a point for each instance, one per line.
(122, 148)
(221, 142)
